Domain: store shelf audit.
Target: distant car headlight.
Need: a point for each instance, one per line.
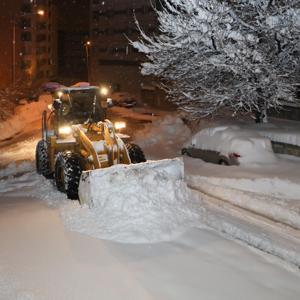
(120, 125)
(65, 130)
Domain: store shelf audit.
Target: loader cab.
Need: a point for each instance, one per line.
(77, 105)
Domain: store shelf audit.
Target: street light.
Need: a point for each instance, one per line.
(40, 12)
(87, 46)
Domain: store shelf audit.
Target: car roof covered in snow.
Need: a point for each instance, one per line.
(76, 88)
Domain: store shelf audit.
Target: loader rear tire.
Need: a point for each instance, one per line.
(42, 160)
(68, 170)
(136, 154)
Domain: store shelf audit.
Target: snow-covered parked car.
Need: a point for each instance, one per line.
(50, 86)
(123, 99)
(81, 84)
(230, 145)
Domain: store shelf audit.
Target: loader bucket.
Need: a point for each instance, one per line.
(100, 185)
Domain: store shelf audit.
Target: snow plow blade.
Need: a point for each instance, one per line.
(98, 186)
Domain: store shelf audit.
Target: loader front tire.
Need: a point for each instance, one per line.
(67, 173)
(42, 160)
(135, 152)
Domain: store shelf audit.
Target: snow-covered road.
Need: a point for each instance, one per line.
(39, 259)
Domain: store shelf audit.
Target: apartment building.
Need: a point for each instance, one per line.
(112, 59)
(73, 32)
(28, 42)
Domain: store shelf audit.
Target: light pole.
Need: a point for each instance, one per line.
(87, 46)
(14, 52)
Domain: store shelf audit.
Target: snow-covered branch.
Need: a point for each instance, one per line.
(211, 53)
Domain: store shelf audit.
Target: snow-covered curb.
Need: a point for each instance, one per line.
(286, 211)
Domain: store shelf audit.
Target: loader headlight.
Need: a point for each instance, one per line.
(59, 94)
(104, 91)
(120, 125)
(65, 130)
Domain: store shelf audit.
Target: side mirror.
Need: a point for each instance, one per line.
(57, 104)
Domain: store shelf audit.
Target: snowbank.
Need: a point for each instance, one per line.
(142, 203)
(148, 203)
(281, 135)
(163, 138)
(262, 196)
(18, 152)
(272, 187)
(13, 169)
(278, 130)
(24, 115)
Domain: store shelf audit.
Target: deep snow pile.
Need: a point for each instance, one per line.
(18, 152)
(142, 203)
(252, 147)
(24, 115)
(164, 137)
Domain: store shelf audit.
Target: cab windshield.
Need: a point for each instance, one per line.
(80, 105)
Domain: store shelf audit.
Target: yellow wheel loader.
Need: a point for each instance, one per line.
(77, 137)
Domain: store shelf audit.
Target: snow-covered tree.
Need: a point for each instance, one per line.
(242, 54)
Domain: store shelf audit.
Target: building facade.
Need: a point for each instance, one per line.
(73, 32)
(112, 59)
(28, 42)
